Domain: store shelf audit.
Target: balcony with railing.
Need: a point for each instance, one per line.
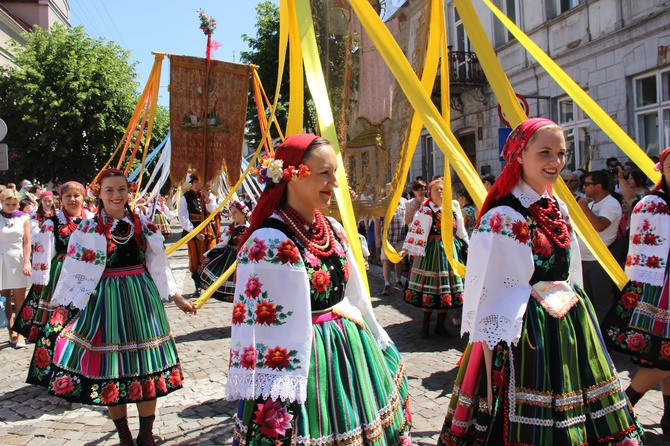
(465, 73)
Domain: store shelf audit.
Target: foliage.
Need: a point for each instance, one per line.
(207, 23)
(66, 104)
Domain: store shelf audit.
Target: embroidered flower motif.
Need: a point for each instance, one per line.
(109, 394)
(497, 223)
(175, 378)
(135, 391)
(628, 442)
(425, 300)
(88, 256)
(64, 231)
(321, 280)
(258, 250)
(521, 231)
(541, 244)
(149, 387)
(38, 247)
(338, 248)
(636, 342)
(62, 385)
(160, 384)
(71, 249)
(41, 357)
(239, 312)
(636, 239)
(665, 350)
(253, 287)
(649, 239)
(646, 225)
(277, 358)
(652, 262)
(629, 300)
(27, 313)
(34, 332)
(58, 316)
(446, 300)
(405, 440)
(266, 313)
(346, 270)
(248, 357)
(273, 418)
(311, 259)
(287, 252)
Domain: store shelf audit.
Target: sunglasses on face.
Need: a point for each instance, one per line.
(588, 183)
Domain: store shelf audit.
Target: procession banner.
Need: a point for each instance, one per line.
(208, 106)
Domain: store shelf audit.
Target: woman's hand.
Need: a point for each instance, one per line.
(402, 254)
(184, 304)
(27, 270)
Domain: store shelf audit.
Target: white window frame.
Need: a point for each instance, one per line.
(572, 4)
(458, 22)
(579, 121)
(507, 35)
(661, 108)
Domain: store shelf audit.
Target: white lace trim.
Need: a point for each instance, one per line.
(641, 274)
(277, 387)
(495, 328)
(527, 195)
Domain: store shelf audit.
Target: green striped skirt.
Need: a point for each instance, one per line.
(119, 349)
(357, 394)
(213, 265)
(556, 386)
(432, 283)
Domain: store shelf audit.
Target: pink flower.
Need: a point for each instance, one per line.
(258, 250)
(497, 223)
(58, 316)
(636, 342)
(311, 259)
(627, 442)
(273, 418)
(405, 440)
(426, 300)
(135, 391)
(248, 358)
(62, 385)
(338, 248)
(253, 287)
(71, 250)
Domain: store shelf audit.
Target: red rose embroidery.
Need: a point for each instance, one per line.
(541, 244)
(636, 239)
(287, 252)
(27, 313)
(175, 377)
(636, 342)
(497, 223)
(277, 358)
(662, 208)
(258, 250)
(273, 418)
(239, 311)
(109, 393)
(321, 280)
(629, 260)
(649, 239)
(41, 357)
(149, 388)
(253, 287)
(629, 300)
(346, 270)
(135, 391)
(652, 262)
(38, 247)
(160, 384)
(651, 206)
(497, 378)
(266, 313)
(58, 316)
(34, 332)
(446, 300)
(665, 351)
(152, 228)
(248, 358)
(521, 231)
(88, 256)
(646, 225)
(64, 231)
(621, 338)
(425, 300)
(62, 385)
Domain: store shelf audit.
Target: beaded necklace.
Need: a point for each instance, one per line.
(114, 237)
(551, 222)
(317, 239)
(9, 219)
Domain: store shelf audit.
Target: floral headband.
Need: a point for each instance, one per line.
(273, 171)
(241, 207)
(94, 187)
(659, 165)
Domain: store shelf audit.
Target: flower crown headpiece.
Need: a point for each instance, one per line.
(272, 170)
(94, 187)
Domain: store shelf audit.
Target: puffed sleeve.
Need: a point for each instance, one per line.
(460, 224)
(497, 281)
(44, 249)
(83, 266)
(156, 260)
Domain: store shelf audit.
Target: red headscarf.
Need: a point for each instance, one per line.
(516, 142)
(659, 167)
(291, 152)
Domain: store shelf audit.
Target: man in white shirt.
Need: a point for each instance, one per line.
(604, 213)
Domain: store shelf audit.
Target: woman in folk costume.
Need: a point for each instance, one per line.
(432, 283)
(308, 362)
(536, 371)
(119, 348)
(40, 320)
(218, 259)
(162, 215)
(639, 323)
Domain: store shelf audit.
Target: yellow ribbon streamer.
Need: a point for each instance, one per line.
(317, 88)
(296, 86)
(207, 294)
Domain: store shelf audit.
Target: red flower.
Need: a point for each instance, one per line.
(637, 239)
(62, 385)
(135, 391)
(629, 300)
(71, 249)
(88, 256)
(426, 300)
(239, 311)
(41, 357)
(273, 418)
(636, 259)
(277, 358)
(109, 394)
(175, 377)
(636, 342)
(446, 300)
(38, 247)
(662, 208)
(160, 385)
(248, 357)
(258, 250)
(152, 228)
(651, 206)
(665, 350)
(346, 270)
(64, 231)
(521, 231)
(497, 223)
(149, 387)
(652, 262)
(58, 316)
(410, 240)
(646, 225)
(266, 313)
(320, 281)
(253, 287)
(629, 260)
(649, 239)
(497, 378)
(416, 223)
(287, 252)
(541, 244)
(34, 332)
(621, 338)
(27, 313)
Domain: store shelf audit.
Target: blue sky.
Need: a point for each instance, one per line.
(170, 26)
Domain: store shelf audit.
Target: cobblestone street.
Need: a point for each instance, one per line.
(199, 415)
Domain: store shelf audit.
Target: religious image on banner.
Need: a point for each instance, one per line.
(207, 108)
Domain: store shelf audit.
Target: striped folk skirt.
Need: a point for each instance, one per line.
(162, 223)
(556, 386)
(215, 263)
(357, 394)
(119, 349)
(432, 283)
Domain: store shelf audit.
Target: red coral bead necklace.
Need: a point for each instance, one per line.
(551, 222)
(319, 236)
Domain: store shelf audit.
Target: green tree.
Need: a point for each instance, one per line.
(66, 104)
